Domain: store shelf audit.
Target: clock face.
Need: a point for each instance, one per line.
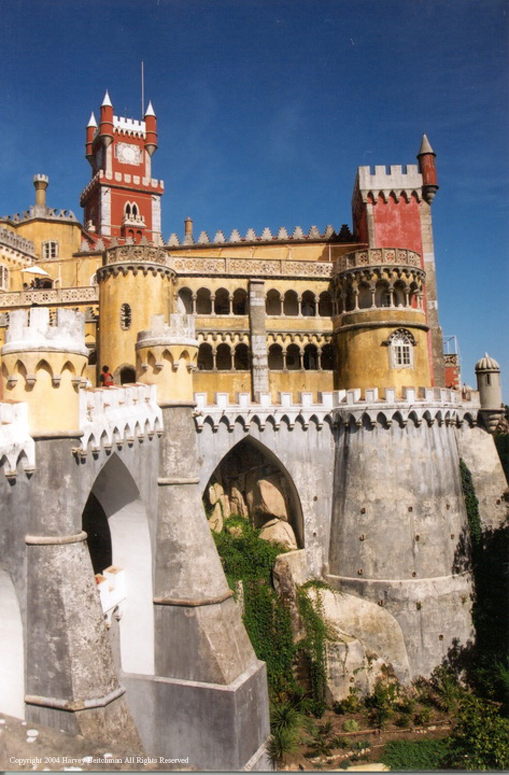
(127, 153)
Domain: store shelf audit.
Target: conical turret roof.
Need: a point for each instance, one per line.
(107, 101)
(425, 146)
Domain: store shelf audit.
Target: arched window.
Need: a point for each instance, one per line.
(291, 303)
(4, 278)
(127, 375)
(276, 362)
(310, 357)
(128, 210)
(364, 297)
(223, 357)
(308, 304)
(222, 302)
(125, 317)
(240, 302)
(205, 357)
(135, 210)
(273, 303)
(325, 305)
(401, 344)
(293, 358)
(242, 360)
(203, 302)
(186, 296)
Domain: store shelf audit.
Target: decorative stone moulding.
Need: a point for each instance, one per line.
(359, 259)
(340, 407)
(49, 296)
(17, 447)
(187, 265)
(113, 416)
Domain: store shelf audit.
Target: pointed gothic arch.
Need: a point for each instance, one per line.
(242, 468)
(116, 521)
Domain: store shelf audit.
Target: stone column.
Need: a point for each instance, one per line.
(71, 682)
(210, 695)
(259, 361)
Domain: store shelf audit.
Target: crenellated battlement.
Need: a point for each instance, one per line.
(17, 447)
(32, 330)
(12, 240)
(385, 181)
(111, 417)
(47, 213)
(370, 407)
(282, 235)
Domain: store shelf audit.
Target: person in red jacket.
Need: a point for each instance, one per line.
(106, 378)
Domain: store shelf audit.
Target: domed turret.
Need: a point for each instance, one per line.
(490, 392)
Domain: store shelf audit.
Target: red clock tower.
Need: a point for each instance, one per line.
(122, 200)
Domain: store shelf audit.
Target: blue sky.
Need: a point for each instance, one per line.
(265, 110)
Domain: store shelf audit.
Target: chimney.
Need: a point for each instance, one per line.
(41, 183)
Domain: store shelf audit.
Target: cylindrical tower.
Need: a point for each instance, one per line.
(41, 183)
(135, 283)
(43, 365)
(487, 372)
(380, 324)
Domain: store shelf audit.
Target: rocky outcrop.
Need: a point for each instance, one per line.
(275, 531)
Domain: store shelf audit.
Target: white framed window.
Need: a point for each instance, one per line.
(49, 250)
(401, 349)
(4, 278)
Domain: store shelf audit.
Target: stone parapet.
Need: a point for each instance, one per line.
(40, 296)
(17, 447)
(359, 259)
(385, 181)
(251, 238)
(37, 333)
(111, 417)
(428, 405)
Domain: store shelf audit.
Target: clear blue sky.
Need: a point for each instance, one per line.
(265, 110)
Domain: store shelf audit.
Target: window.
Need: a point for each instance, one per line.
(401, 354)
(4, 278)
(49, 250)
(125, 317)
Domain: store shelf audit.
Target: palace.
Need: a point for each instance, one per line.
(297, 379)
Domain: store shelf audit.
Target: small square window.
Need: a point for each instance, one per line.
(49, 250)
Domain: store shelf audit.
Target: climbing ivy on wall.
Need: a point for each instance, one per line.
(249, 559)
(471, 503)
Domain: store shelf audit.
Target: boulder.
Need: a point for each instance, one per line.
(215, 492)
(275, 531)
(269, 498)
(237, 503)
(225, 505)
(216, 519)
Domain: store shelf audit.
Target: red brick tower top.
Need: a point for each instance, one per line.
(122, 200)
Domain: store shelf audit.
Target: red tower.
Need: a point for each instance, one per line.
(122, 200)
(392, 209)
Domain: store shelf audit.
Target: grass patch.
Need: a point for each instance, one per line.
(415, 755)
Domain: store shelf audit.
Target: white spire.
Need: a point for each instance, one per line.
(106, 101)
(150, 110)
(92, 121)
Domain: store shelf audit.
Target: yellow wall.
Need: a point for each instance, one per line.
(147, 295)
(363, 359)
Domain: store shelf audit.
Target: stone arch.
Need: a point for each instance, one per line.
(239, 475)
(203, 302)
(291, 304)
(12, 664)
(273, 302)
(239, 302)
(205, 357)
(222, 302)
(126, 374)
(116, 514)
(186, 296)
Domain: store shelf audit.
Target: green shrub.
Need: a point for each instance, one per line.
(351, 725)
(423, 716)
(480, 739)
(312, 647)
(281, 743)
(350, 704)
(415, 755)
